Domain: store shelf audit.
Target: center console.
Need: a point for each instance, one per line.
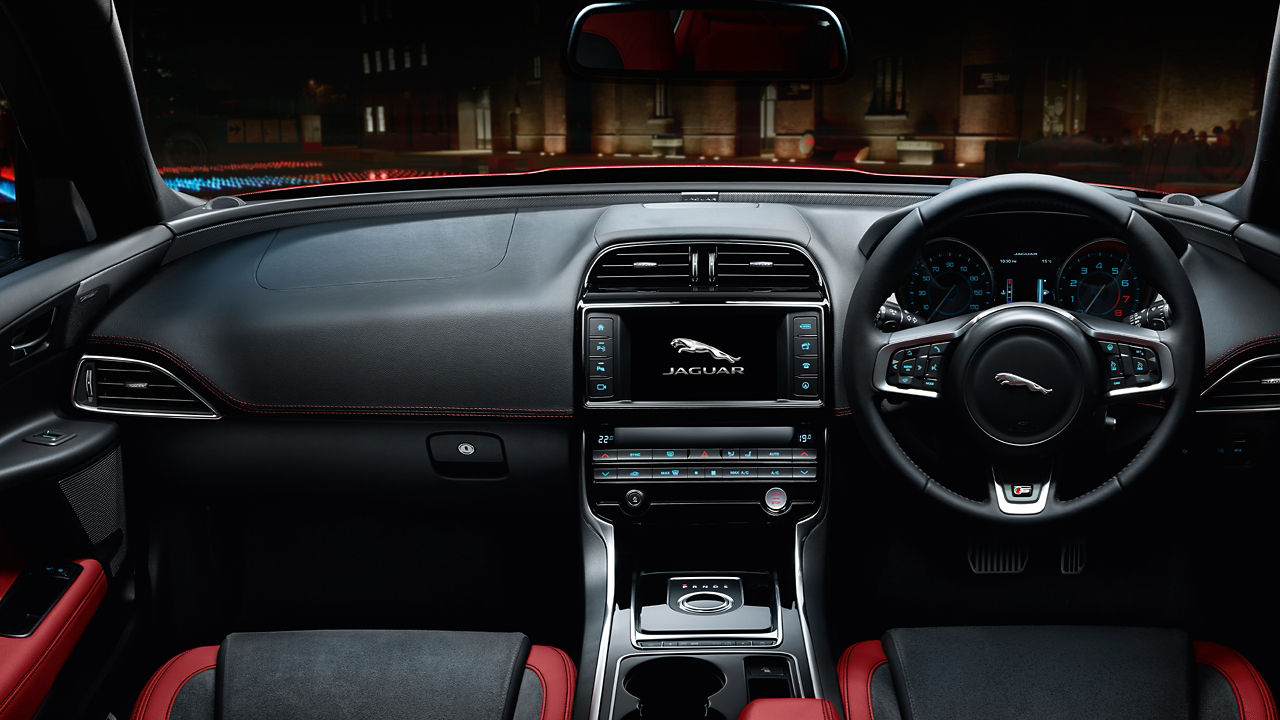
(703, 464)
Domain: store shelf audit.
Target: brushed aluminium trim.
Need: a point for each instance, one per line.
(213, 414)
(1241, 410)
(605, 531)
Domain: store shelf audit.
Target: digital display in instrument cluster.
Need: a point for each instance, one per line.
(1026, 276)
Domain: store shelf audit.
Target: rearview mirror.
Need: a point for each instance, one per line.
(767, 40)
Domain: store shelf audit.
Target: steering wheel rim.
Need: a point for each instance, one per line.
(892, 258)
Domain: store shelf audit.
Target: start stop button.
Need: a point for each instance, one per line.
(775, 500)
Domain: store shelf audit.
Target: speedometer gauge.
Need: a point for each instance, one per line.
(1098, 279)
(952, 278)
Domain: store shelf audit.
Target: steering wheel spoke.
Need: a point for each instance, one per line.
(912, 362)
(1136, 363)
(1022, 488)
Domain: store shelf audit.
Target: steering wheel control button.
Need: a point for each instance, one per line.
(1109, 347)
(804, 326)
(775, 500)
(600, 326)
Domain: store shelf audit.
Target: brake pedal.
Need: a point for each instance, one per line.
(1074, 555)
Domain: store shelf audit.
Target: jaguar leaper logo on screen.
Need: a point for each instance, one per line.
(685, 345)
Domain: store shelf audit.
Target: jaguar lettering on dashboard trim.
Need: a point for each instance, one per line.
(706, 371)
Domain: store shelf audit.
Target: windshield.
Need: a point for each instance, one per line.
(298, 93)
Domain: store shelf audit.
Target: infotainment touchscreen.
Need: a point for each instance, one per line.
(704, 354)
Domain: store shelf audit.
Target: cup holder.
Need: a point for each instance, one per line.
(674, 688)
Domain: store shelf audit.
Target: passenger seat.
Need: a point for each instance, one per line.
(345, 674)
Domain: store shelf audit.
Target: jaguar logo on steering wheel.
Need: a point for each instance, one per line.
(1011, 380)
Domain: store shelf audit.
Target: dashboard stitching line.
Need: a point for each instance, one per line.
(266, 407)
(1242, 347)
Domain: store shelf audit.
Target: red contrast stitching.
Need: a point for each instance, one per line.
(1242, 347)
(310, 409)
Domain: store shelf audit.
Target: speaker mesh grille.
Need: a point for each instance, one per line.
(96, 495)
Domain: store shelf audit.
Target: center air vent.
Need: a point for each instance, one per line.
(135, 387)
(1254, 385)
(703, 266)
(763, 267)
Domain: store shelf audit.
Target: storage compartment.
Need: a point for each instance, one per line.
(699, 687)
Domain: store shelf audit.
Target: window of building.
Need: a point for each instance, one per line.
(537, 67)
(661, 100)
(364, 14)
(768, 115)
(368, 118)
(484, 122)
(391, 58)
(408, 59)
(422, 59)
(366, 63)
(377, 61)
(889, 88)
(382, 118)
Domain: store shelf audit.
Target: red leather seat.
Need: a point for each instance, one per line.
(333, 674)
(1048, 672)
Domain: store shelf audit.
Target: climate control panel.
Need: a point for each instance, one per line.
(637, 473)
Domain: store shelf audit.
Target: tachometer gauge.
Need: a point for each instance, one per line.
(951, 279)
(1098, 279)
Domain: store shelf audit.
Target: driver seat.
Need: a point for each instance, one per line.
(1048, 673)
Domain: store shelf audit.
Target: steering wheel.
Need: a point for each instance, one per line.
(1026, 380)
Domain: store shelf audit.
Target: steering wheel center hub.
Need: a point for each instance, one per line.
(1024, 377)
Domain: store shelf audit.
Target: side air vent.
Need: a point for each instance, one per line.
(763, 267)
(1251, 386)
(133, 387)
(703, 266)
(644, 267)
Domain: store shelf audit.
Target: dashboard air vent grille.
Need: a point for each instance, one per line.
(704, 266)
(1254, 385)
(135, 387)
(644, 267)
(763, 267)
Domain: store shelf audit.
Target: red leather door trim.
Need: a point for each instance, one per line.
(28, 666)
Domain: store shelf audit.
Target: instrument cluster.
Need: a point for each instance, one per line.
(994, 263)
